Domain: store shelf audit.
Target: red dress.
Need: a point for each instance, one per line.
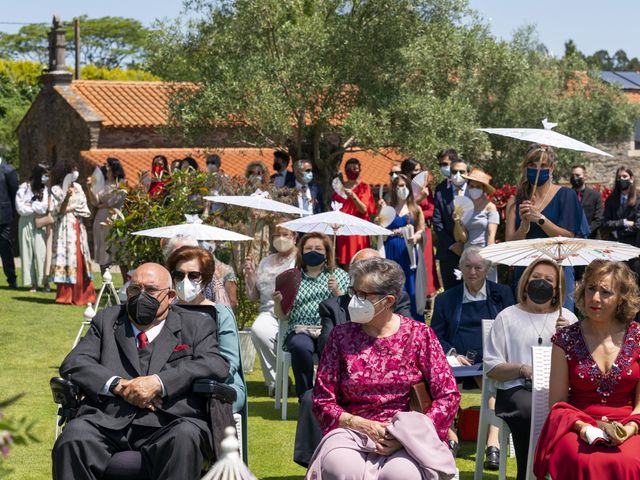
(592, 395)
(427, 205)
(348, 246)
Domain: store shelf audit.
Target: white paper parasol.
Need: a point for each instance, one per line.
(257, 202)
(565, 251)
(545, 136)
(335, 223)
(196, 229)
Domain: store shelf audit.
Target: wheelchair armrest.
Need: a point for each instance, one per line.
(215, 389)
(67, 394)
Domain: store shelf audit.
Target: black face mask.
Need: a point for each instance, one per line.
(143, 308)
(577, 182)
(313, 258)
(539, 291)
(623, 184)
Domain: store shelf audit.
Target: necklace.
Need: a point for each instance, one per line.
(533, 325)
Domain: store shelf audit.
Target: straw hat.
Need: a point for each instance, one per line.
(478, 175)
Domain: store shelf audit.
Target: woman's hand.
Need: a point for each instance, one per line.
(249, 266)
(526, 371)
(529, 211)
(333, 285)
(381, 203)
(388, 445)
(561, 322)
(277, 297)
(372, 429)
(349, 192)
(463, 360)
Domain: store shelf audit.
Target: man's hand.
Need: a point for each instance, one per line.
(141, 391)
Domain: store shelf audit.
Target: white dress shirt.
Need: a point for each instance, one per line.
(468, 297)
(305, 202)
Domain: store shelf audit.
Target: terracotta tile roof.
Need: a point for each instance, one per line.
(375, 166)
(128, 104)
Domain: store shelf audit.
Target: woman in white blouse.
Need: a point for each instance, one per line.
(260, 285)
(32, 200)
(507, 355)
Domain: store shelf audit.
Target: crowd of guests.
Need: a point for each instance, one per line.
(361, 352)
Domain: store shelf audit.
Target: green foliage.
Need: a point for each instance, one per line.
(106, 42)
(13, 431)
(418, 75)
(601, 60)
(93, 72)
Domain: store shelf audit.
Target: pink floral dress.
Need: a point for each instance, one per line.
(372, 377)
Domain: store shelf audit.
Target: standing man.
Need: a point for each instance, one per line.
(8, 188)
(309, 194)
(590, 200)
(283, 177)
(447, 249)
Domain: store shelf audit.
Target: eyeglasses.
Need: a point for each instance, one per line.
(360, 295)
(178, 276)
(134, 290)
(468, 266)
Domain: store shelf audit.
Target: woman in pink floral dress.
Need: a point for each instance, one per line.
(362, 391)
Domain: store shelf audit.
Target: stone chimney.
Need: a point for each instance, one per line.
(58, 73)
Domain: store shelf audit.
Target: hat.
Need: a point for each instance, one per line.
(478, 175)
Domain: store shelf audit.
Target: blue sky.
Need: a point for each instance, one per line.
(592, 24)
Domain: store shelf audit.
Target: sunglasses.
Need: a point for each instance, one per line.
(461, 172)
(391, 174)
(178, 276)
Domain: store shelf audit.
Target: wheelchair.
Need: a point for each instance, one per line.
(127, 465)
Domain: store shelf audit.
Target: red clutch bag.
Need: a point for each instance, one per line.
(288, 283)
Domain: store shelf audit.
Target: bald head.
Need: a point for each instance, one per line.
(365, 254)
(152, 275)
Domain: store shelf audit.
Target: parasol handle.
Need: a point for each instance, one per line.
(533, 193)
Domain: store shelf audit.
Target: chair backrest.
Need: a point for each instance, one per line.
(541, 361)
(486, 328)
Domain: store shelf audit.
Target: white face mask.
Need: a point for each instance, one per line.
(457, 180)
(187, 290)
(475, 193)
(282, 244)
(212, 168)
(362, 311)
(403, 193)
(255, 178)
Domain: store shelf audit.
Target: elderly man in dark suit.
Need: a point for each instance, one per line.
(457, 321)
(8, 188)
(333, 311)
(447, 249)
(136, 366)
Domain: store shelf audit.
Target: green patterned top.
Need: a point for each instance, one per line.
(312, 291)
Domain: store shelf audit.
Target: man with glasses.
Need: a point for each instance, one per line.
(136, 366)
(457, 322)
(309, 194)
(447, 249)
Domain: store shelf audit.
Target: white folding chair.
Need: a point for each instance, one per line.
(488, 417)
(283, 362)
(541, 361)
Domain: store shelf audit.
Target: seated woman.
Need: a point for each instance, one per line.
(319, 281)
(191, 269)
(594, 375)
(507, 356)
(362, 392)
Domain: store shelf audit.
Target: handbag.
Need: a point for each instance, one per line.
(44, 220)
(419, 395)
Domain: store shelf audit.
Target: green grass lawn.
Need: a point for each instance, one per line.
(36, 334)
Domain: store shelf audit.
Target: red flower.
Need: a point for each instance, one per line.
(180, 347)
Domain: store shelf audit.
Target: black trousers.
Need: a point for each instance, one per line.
(302, 347)
(308, 433)
(514, 407)
(6, 252)
(175, 451)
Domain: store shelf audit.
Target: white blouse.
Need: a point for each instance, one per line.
(512, 335)
(25, 205)
(270, 267)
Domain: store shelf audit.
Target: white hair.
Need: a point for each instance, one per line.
(474, 251)
(176, 242)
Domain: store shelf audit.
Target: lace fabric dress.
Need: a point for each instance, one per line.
(592, 395)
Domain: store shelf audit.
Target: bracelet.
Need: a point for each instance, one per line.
(349, 422)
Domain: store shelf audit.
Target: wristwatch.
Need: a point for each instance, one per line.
(541, 220)
(114, 384)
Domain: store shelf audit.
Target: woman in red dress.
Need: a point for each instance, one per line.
(411, 167)
(360, 203)
(595, 375)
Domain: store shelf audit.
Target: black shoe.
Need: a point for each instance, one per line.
(492, 459)
(454, 447)
(13, 285)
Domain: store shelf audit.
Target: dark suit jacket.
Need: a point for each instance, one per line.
(448, 308)
(289, 179)
(109, 348)
(591, 202)
(334, 311)
(8, 188)
(613, 223)
(317, 197)
(443, 221)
